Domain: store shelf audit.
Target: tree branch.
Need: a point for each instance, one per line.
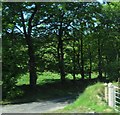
(30, 20)
(23, 23)
(18, 29)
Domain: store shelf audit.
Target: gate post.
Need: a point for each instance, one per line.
(111, 95)
(106, 92)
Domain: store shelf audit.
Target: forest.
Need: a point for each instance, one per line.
(79, 39)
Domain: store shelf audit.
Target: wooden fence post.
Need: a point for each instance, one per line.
(111, 95)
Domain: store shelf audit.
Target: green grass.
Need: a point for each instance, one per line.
(46, 77)
(90, 101)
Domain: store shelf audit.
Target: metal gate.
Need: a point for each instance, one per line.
(117, 98)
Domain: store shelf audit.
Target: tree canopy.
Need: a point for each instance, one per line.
(63, 37)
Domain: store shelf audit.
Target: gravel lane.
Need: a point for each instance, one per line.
(37, 107)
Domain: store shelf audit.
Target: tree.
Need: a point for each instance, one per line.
(27, 34)
(110, 11)
(24, 21)
(76, 38)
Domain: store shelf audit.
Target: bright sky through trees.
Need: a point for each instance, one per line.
(101, 1)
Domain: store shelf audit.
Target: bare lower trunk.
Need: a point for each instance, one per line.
(99, 61)
(74, 60)
(61, 61)
(78, 57)
(82, 59)
(32, 65)
(61, 54)
(90, 62)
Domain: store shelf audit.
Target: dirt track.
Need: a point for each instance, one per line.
(37, 107)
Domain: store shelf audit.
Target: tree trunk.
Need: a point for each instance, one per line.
(74, 60)
(107, 63)
(32, 65)
(61, 54)
(99, 60)
(90, 62)
(78, 56)
(82, 59)
(27, 34)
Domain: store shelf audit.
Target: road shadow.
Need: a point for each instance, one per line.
(54, 90)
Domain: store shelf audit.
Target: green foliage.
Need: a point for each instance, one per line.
(113, 70)
(23, 79)
(46, 56)
(13, 93)
(13, 64)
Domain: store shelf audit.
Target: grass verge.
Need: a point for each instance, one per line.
(91, 100)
